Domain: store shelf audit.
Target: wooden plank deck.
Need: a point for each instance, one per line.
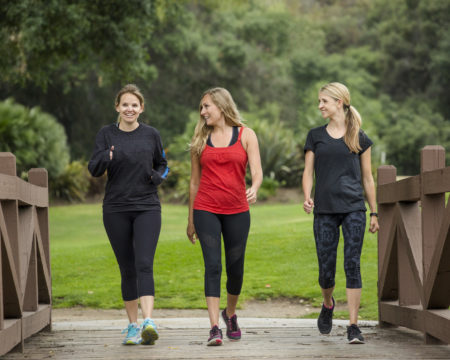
(184, 338)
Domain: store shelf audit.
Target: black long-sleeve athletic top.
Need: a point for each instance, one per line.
(138, 166)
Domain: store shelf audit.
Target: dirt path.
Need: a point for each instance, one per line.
(280, 308)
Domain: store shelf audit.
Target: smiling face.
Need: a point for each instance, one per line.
(129, 108)
(210, 112)
(328, 106)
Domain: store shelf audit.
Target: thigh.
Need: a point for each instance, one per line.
(146, 230)
(119, 228)
(235, 228)
(326, 233)
(353, 229)
(209, 231)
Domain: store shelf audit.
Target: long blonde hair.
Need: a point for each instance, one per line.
(222, 99)
(339, 91)
(129, 89)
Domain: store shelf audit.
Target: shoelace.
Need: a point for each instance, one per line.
(214, 331)
(232, 323)
(132, 330)
(148, 322)
(354, 330)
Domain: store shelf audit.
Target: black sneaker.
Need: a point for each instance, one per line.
(325, 320)
(233, 331)
(215, 337)
(354, 335)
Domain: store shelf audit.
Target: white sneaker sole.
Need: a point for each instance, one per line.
(356, 341)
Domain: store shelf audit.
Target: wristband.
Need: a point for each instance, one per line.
(373, 214)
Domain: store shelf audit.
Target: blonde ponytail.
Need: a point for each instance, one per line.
(353, 125)
(353, 120)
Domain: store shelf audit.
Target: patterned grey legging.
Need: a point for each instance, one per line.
(326, 233)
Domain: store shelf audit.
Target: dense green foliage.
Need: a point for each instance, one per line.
(71, 58)
(34, 137)
(280, 261)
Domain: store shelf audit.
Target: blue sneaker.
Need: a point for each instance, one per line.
(133, 335)
(149, 333)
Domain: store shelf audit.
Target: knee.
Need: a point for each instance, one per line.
(127, 272)
(353, 276)
(144, 267)
(213, 270)
(326, 283)
(352, 270)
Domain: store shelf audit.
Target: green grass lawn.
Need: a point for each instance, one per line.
(280, 260)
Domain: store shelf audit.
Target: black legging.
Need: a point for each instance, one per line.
(209, 228)
(133, 236)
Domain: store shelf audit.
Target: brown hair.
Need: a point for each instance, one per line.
(339, 91)
(129, 89)
(222, 99)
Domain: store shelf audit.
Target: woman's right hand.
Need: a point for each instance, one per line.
(111, 152)
(308, 205)
(191, 234)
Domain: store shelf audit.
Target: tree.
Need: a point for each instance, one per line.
(43, 41)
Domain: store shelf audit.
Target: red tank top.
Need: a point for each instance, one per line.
(222, 181)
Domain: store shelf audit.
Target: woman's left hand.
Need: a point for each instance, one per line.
(252, 195)
(373, 228)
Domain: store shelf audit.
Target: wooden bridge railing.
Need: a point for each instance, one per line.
(414, 248)
(25, 281)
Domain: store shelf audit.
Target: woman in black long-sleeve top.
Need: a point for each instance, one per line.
(133, 156)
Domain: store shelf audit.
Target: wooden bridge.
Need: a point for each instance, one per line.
(262, 338)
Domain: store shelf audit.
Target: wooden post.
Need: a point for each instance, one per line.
(10, 213)
(386, 174)
(39, 177)
(9, 303)
(7, 163)
(431, 158)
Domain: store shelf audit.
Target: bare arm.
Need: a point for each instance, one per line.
(369, 187)
(193, 188)
(307, 181)
(250, 143)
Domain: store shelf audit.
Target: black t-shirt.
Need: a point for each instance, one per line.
(337, 171)
(138, 166)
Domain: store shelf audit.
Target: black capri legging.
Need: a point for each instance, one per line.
(133, 236)
(234, 227)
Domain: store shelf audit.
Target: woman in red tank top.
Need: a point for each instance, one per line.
(219, 202)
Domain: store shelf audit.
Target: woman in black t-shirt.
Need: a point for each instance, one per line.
(339, 155)
(132, 155)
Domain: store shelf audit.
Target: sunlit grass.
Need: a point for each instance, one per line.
(280, 260)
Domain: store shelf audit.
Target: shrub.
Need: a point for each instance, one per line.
(268, 188)
(73, 184)
(178, 181)
(34, 137)
(280, 155)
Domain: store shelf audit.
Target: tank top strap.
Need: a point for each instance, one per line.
(240, 133)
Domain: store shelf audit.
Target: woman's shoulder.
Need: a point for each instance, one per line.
(317, 132)
(247, 133)
(246, 129)
(318, 129)
(107, 128)
(149, 129)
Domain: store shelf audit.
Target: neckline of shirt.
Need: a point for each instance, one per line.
(329, 135)
(128, 132)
